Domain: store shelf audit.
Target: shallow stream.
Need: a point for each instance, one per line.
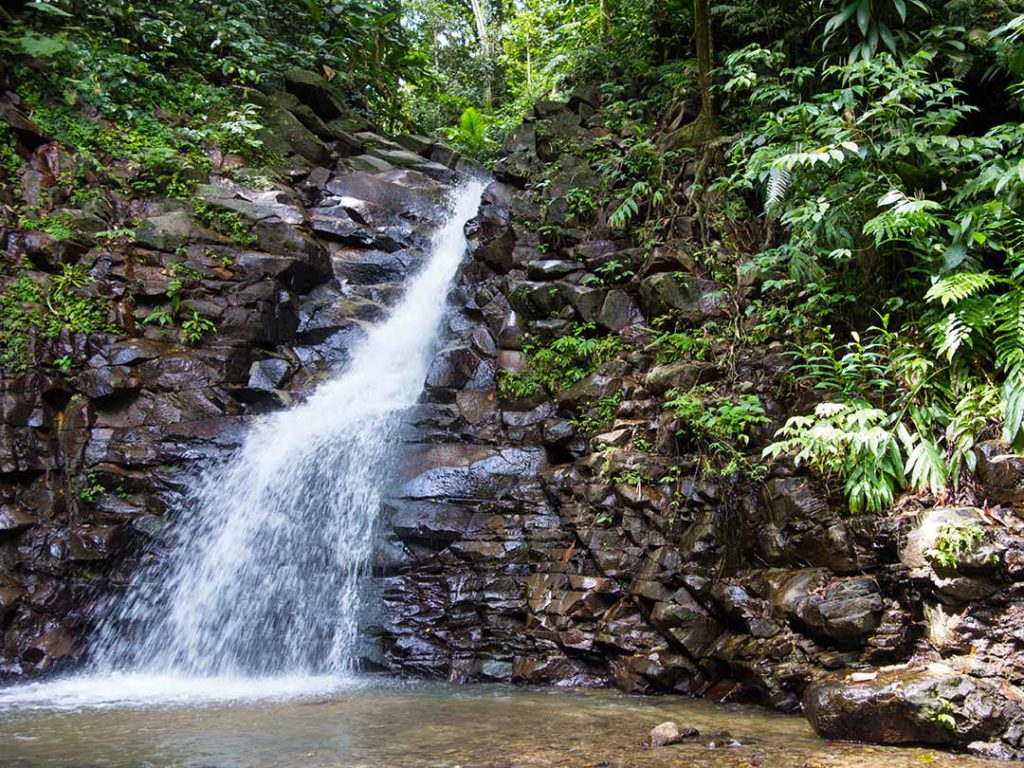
(319, 723)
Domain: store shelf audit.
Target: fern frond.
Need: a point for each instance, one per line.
(625, 213)
(951, 333)
(1012, 405)
(780, 179)
(956, 288)
(1008, 334)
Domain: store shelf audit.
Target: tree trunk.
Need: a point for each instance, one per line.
(705, 57)
(704, 127)
(484, 35)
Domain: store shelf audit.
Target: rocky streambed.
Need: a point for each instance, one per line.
(528, 539)
(416, 726)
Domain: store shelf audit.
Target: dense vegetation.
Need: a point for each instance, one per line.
(855, 169)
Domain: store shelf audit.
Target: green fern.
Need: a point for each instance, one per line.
(958, 287)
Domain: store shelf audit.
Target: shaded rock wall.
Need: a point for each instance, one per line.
(99, 437)
(522, 547)
(525, 540)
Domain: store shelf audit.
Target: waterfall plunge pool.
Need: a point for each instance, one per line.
(136, 721)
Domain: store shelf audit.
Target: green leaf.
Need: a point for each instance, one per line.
(835, 22)
(42, 46)
(887, 36)
(49, 8)
(864, 16)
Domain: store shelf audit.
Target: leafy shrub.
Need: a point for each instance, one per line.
(569, 358)
(27, 310)
(231, 224)
(854, 443)
(470, 136)
(719, 425)
(593, 417)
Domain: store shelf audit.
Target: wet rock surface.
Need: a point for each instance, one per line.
(520, 542)
(96, 449)
(553, 568)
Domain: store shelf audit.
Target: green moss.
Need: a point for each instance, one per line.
(231, 224)
(57, 225)
(28, 311)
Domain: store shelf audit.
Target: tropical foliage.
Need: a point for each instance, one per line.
(856, 183)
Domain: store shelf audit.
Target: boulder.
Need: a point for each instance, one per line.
(1000, 474)
(619, 311)
(589, 389)
(166, 232)
(492, 239)
(551, 269)
(933, 704)
(684, 375)
(588, 301)
(276, 206)
(687, 297)
(519, 155)
(453, 366)
(267, 374)
(845, 612)
(284, 134)
(314, 91)
(669, 733)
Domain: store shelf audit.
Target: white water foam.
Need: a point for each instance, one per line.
(260, 595)
(120, 689)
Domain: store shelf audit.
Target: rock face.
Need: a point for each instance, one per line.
(95, 442)
(565, 537)
(520, 551)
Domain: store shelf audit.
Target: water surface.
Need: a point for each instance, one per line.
(352, 725)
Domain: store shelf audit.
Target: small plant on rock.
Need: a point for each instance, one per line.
(956, 540)
(92, 488)
(196, 327)
(719, 425)
(943, 714)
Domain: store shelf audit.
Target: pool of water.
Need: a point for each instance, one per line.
(166, 722)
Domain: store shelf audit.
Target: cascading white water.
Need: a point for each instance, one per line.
(264, 578)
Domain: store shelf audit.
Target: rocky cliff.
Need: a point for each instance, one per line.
(567, 535)
(577, 537)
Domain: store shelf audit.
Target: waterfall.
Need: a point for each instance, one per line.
(264, 576)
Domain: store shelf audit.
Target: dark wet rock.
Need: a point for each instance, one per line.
(1000, 474)
(299, 273)
(591, 388)
(453, 367)
(267, 374)
(551, 269)
(935, 704)
(520, 155)
(492, 238)
(166, 232)
(619, 311)
(587, 301)
(284, 134)
(682, 375)
(685, 296)
(845, 611)
(800, 526)
(373, 267)
(369, 164)
(438, 523)
(274, 206)
(312, 89)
